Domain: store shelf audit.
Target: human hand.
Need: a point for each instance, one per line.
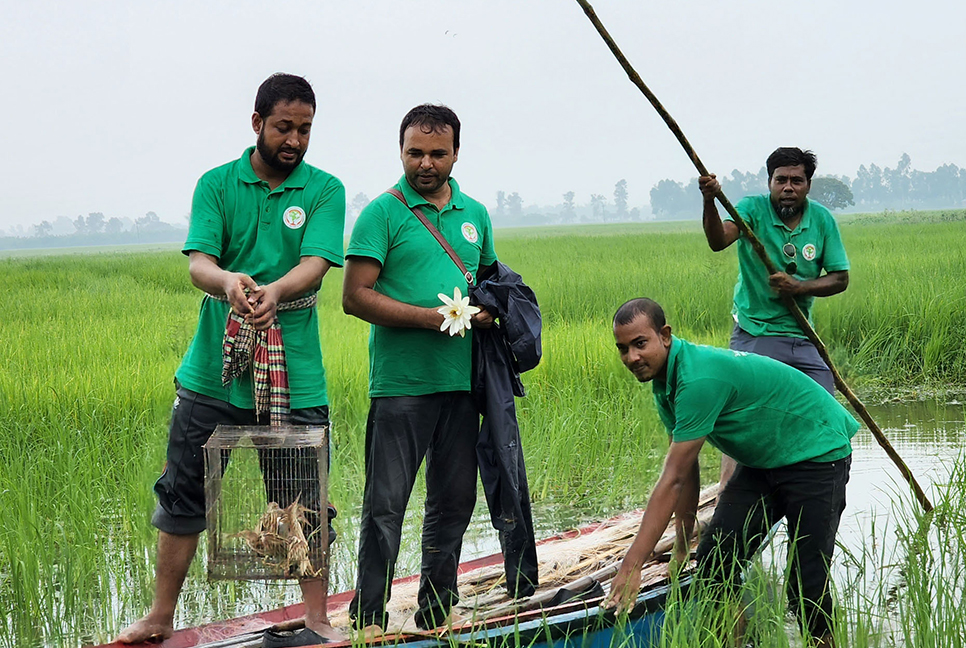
(241, 290)
(483, 319)
(709, 186)
(266, 307)
(624, 589)
(457, 313)
(784, 284)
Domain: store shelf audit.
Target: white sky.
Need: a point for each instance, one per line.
(119, 107)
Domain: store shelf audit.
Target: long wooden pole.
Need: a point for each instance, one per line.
(760, 251)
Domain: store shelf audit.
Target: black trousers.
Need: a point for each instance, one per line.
(811, 498)
(401, 430)
(181, 487)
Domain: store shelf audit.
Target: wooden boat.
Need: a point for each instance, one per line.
(575, 570)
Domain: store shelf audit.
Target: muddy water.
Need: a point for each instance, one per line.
(929, 435)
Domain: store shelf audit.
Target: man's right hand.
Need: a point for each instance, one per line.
(709, 187)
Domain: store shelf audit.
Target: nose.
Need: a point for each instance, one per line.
(425, 162)
(292, 140)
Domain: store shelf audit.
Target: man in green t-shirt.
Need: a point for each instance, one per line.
(790, 437)
(264, 230)
(419, 371)
(802, 239)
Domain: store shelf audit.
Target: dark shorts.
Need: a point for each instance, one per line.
(793, 351)
(810, 496)
(181, 487)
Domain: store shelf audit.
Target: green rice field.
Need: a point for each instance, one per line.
(91, 342)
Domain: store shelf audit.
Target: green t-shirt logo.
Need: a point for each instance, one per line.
(294, 217)
(469, 232)
(808, 252)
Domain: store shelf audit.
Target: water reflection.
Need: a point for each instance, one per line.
(928, 435)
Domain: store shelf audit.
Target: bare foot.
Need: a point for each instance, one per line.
(146, 630)
(454, 619)
(370, 633)
(327, 631)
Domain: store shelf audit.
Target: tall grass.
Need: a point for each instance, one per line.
(90, 344)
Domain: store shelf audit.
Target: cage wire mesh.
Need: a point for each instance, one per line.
(265, 502)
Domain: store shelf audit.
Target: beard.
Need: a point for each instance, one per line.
(271, 158)
(788, 212)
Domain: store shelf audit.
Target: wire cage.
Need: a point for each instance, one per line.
(266, 491)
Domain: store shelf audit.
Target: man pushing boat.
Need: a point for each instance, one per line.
(790, 437)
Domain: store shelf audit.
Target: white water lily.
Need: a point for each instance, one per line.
(456, 312)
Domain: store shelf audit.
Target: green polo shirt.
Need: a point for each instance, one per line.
(763, 413)
(263, 233)
(415, 270)
(758, 309)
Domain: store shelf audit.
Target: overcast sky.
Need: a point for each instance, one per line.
(119, 107)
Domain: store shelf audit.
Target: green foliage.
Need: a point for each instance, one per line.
(91, 343)
(831, 192)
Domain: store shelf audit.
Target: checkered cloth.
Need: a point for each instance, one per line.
(264, 352)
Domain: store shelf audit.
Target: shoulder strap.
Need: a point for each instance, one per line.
(436, 235)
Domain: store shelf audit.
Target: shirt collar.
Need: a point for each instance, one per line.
(415, 199)
(295, 180)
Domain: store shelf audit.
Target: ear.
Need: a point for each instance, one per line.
(665, 334)
(257, 123)
(456, 155)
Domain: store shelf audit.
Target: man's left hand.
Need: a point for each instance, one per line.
(483, 319)
(265, 308)
(784, 284)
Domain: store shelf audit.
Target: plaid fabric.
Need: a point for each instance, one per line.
(264, 352)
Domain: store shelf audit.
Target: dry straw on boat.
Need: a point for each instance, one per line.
(279, 539)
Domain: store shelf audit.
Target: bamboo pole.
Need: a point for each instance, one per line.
(769, 265)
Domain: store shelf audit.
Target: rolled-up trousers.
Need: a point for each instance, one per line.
(400, 432)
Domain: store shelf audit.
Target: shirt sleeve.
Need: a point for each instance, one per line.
(834, 258)
(746, 209)
(697, 406)
(487, 253)
(325, 225)
(206, 227)
(370, 234)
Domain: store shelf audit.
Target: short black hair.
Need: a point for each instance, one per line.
(432, 119)
(282, 88)
(630, 310)
(791, 156)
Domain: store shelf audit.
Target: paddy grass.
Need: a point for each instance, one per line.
(91, 342)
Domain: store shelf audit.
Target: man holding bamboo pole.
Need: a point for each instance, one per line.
(802, 238)
(791, 438)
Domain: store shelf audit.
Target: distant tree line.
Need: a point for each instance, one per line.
(872, 189)
(93, 229)
(510, 210)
